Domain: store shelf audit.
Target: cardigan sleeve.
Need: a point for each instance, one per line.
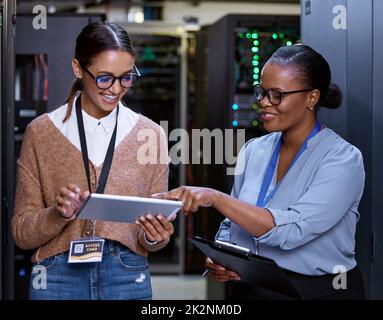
(161, 173)
(33, 224)
(159, 184)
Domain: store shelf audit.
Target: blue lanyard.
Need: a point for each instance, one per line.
(262, 200)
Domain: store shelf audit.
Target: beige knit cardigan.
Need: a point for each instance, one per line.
(48, 161)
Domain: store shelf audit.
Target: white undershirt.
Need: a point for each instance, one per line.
(98, 132)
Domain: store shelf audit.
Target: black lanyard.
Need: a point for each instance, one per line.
(109, 154)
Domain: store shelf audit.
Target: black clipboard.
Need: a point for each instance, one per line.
(252, 268)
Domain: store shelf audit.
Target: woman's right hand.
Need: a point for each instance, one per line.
(70, 200)
(220, 273)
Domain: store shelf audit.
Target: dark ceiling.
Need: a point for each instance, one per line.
(119, 2)
(25, 6)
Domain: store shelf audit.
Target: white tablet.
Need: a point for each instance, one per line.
(125, 208)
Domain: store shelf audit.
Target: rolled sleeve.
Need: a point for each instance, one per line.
(278, 235)
(336, 189)
(281, 218)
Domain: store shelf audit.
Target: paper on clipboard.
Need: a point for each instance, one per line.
(126, 209)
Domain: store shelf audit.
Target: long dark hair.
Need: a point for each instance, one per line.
(312, 70)
(93, 39)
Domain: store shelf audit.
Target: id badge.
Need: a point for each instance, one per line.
(86, 251)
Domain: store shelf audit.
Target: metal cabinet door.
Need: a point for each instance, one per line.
(377, 162)
(324, 31)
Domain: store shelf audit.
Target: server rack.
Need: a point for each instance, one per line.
(350, 39)
(237, 48)
(7, 26)
(196, 224)
(161, 95)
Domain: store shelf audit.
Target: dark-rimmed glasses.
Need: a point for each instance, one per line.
(106, 81)
(273, 95)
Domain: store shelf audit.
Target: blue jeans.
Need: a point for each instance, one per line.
(122, 275)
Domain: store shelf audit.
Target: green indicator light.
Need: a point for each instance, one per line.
(255, 49)
(289, 43)
(241, 35)
(254, 123)
(256, 70)
(254, 35)
(281, 35)
(255, 82)
(248, 35)
(255, 62)
(275, 36)
(255, 77)
(254, 105)
(256, 42)
(256, 57)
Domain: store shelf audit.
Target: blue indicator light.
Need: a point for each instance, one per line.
(235, 106)
(235, 123)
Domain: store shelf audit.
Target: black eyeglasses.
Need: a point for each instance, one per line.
(106, 81)
(274, 96)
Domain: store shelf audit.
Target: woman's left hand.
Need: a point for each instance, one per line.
(156, 228)
(192, 197)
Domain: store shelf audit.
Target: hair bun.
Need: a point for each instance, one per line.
(332, 98)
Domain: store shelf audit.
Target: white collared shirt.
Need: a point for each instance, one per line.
(98, 132)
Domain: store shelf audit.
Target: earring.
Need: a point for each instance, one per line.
(310, 108)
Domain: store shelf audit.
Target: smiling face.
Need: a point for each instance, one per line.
(100, 102)
(293, 110)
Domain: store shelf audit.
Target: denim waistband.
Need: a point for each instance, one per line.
(113, 247)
